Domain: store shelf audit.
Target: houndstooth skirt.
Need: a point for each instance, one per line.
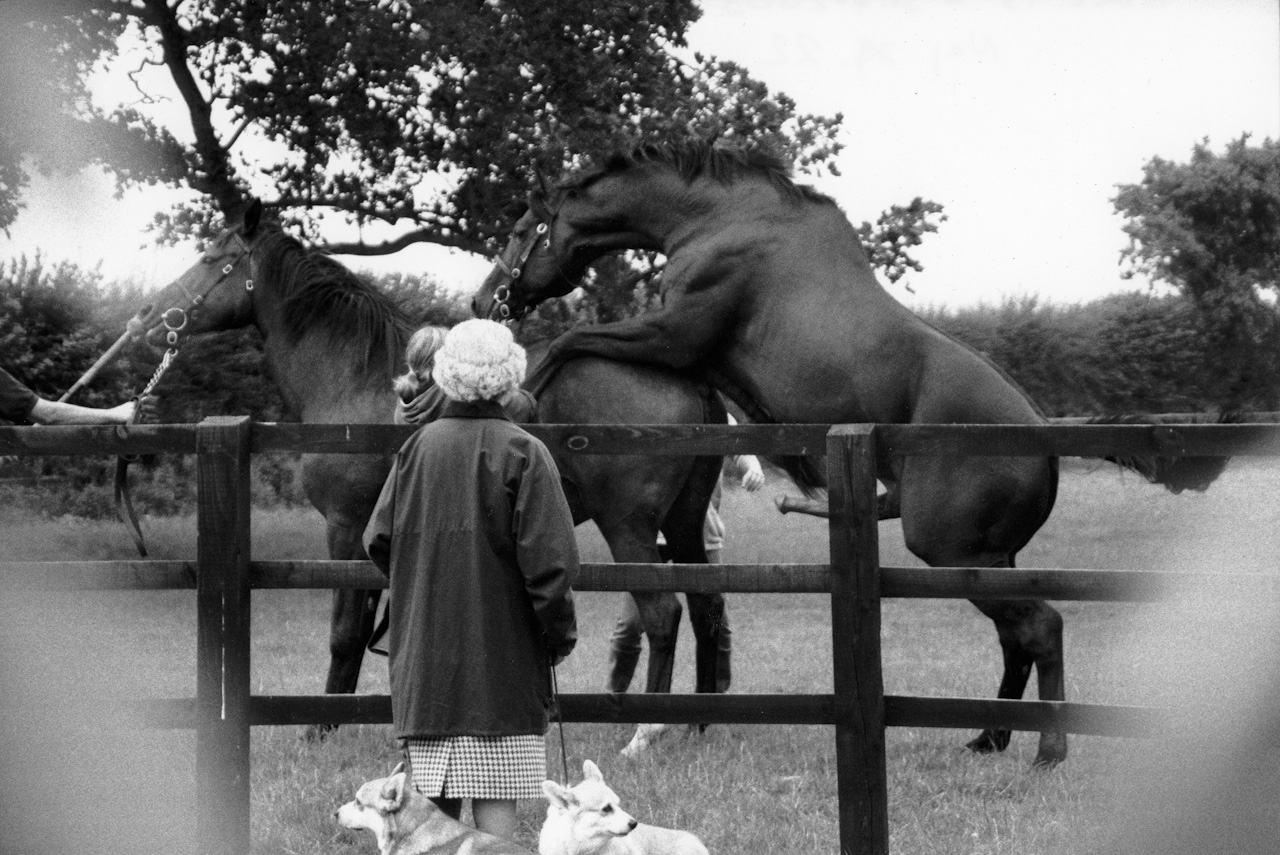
(479, 767)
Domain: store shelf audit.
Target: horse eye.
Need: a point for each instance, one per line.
(607, 809)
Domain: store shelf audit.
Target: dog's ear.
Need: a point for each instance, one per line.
(591, 772)
(561, 797)
(395, 790)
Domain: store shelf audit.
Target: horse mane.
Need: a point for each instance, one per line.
(693, 158)
(320, 294)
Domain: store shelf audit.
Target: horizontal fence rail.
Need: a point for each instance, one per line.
(807, 709)
(1061, 440)
(896, 582)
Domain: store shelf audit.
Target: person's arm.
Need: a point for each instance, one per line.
(747, 466)
(61, 413)
(547, 551)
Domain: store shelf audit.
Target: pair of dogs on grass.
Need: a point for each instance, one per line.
(582, 820)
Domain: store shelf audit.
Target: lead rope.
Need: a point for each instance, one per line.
(124, 504)
(555, 696)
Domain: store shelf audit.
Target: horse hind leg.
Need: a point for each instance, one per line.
(1030, 633)
(657, 613)
(683, 527)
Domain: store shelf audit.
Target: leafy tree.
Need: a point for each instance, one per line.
(422, 118)
(898, 231)
(1211, 228)
(50, 330)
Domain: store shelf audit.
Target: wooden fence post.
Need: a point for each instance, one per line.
(222, 637)
(855, 635)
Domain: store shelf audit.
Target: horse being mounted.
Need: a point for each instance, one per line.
(768, 294)
(333, 344)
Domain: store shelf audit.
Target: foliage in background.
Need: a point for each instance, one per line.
(55, 320)
(1211, 228)
(1125, 353)
(424, 119)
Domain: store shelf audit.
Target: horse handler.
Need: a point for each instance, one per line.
(475, 535)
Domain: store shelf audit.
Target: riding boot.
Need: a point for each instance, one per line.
(711, 627)
(723, 650)
(624, 647)
(622, 667)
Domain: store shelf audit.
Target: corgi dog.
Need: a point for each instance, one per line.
(405, 822)
(587, 820)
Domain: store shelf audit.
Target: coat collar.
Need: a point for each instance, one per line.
(474, 410)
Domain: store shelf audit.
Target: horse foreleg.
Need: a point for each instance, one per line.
(351, 621)
(1030, 633)
(350, 629)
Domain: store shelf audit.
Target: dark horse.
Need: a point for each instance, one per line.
(768, 294)
(333, 344)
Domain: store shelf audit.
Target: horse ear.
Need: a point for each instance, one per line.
(252, 217)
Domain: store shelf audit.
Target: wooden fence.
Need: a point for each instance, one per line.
(224, 574)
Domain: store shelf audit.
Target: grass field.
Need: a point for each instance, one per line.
(740, 788)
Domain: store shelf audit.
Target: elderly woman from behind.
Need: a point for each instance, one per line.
(474, 533)
(420, 400)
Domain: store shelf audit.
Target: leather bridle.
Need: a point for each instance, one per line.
(514, 270)
(181, 316)
(175, 320)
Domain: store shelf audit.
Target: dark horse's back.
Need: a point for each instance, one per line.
(605, 392)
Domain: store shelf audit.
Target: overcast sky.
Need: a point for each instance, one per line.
(1019, 117)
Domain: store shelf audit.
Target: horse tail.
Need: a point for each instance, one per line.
(1173, 472)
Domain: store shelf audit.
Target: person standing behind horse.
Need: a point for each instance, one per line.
(475, 535)
(624, 645)
(420, 400)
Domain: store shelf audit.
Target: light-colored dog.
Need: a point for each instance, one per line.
(586, 820)
(405, 822)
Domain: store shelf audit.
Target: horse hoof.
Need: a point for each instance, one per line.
(1051, 753)
(646, 736)
(1046, 761)
(989, 742)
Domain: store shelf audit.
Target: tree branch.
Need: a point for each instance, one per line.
(217, 179)
(407, 239)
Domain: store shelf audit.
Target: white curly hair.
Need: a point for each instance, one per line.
(479, 361)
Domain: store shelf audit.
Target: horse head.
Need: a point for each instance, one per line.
(215, 293)
(531, 268)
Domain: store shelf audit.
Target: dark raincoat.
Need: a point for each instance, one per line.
(474, 532)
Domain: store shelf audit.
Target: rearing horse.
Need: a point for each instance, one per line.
(332, 344)
(768, 293)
